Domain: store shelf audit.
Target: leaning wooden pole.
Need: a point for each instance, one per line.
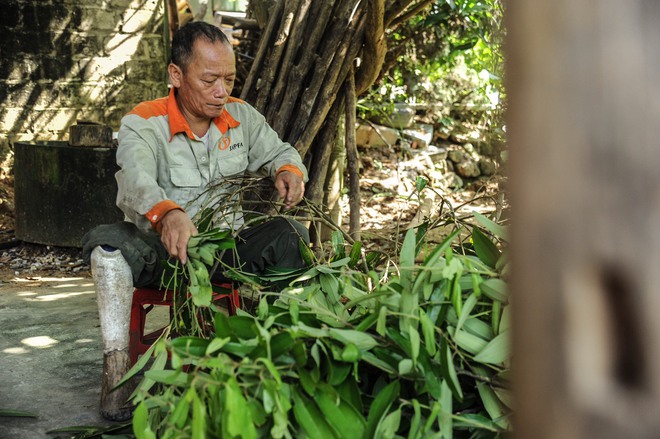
(583, 80)
(173, 17)
(353, 160)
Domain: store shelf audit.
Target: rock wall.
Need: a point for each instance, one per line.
(68, 60)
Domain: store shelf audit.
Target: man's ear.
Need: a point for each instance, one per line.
(175, 75)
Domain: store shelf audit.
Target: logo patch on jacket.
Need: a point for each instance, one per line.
(236, 146)
(224, 143)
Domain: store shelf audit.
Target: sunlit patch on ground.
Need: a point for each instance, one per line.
(41, 341)
(51, 297)
(16, 351)
(48, 279)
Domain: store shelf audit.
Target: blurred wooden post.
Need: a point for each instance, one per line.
(584, 85)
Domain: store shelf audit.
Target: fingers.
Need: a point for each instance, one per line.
(290, 187)
(281, 186)
(177, 228)
(295, 194)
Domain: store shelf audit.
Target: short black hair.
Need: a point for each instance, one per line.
(185, 37)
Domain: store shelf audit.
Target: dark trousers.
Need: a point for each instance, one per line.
(274, 243)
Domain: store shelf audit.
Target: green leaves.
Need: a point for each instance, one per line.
(361, 340)
(380, 406)
(237, 420)
(485, 249)
(202, 254)
(310, 418)
(495, 289)
(496, 351)
(409, 300)
(342, 416)
(449, 371)
(344, 353)
(494, 228)
(141, 427)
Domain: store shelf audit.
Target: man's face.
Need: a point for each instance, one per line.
(205, 86)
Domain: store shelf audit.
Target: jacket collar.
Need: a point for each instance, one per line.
(179, 124)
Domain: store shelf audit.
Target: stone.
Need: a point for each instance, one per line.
(468, 169)
(485, 148)
(487, 166)
(453, 181)
(375, 135)
(64, 41)
(419, 134)
(437, 153)
(469, 148)
(400, 115)
(457, 156)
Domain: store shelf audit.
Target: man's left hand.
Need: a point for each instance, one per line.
(290, 187)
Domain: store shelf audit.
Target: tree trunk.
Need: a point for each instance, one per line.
(334, 181)
(583, 85)
(306, 52)
(172, 16)
(353, 160)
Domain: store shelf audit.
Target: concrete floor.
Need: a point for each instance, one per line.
(50, 355)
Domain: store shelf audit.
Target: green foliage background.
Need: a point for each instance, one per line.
(449, 61)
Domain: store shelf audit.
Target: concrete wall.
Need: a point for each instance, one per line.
(68, 60)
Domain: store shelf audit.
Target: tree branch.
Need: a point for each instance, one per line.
(321, 155)
(321, 93)
(353, 159)
(287, 91)
(394, 9)
(249, 88)
(173, 15)
(278, 48)
(416, 9)
(375, 46)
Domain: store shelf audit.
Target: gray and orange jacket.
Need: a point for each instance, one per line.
(163, 166)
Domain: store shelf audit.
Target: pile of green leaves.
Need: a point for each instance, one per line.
(418, 350)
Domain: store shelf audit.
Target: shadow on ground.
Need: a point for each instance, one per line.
(50, 355)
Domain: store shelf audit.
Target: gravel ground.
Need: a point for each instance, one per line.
(23, 259)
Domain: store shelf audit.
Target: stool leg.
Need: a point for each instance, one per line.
(234, 301)
(114, 292)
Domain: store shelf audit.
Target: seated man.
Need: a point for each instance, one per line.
(171, 151)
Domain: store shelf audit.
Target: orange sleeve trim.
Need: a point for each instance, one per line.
(159, 211)
(291, 168)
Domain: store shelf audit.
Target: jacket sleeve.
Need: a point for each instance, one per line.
(267, 152)
(138, 190)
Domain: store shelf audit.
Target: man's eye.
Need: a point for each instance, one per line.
(207, 82)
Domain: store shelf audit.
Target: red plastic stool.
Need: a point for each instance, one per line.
(144, 300)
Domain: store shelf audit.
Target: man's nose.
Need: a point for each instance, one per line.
(220, 90)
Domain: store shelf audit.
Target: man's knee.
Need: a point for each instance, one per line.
(291, 228)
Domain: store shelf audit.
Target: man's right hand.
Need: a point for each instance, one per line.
(176, 229)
